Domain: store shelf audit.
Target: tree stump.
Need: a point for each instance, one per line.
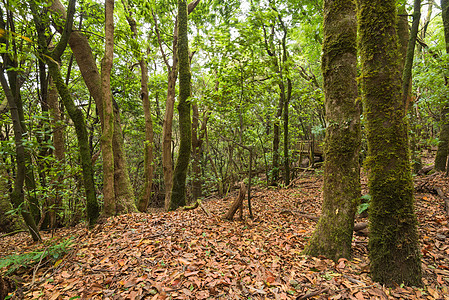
(237, 204)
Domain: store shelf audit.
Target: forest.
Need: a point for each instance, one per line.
(208, 149)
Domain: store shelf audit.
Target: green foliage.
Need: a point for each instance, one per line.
(52, 252)
(364, 205)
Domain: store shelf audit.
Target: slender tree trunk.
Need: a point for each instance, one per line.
(59, 152)
(196, 147)
(286, 134)
(17, 196)
(124, 194)
(443, 144)
(109, 206)
(333, 235)
(167, 161)
(76, 115)
(276, 135)
(144, 200)
(393, 243)
(178, 197)
(410, 54)
(149, 139)
(425, 25)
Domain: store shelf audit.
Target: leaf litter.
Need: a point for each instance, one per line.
(188, 255)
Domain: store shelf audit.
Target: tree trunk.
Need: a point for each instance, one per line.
(17, 196)
(443, 143)
(144, 200)
(276, 136)
(59, 152)
(76, 115)
(333, 235)
(109, 202)
(167, 162)
(149, 139)
(410, 54)
(124, 194)
(178, 196)
(196, 148)
(8, 223)
(237, 204)
(14, 87)
(393, 242)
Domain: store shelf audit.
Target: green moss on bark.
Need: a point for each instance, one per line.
(393, 244)
(178, 196)
(333, 235)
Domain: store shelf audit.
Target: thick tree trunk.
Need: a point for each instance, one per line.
(393, 243)
(178, 196)
(124, 194)
(109, 201)
(333, 235)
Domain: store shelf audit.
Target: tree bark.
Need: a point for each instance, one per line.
(167, 162)
(410, 54)
(59, 152)
(17, 196)
(14, 86)
(109, 205)
(237, 204)
(124, 194)
(443, 143)
(178, 196)
(341, 191)
(393, 237)
(144, 200)
(76, 115)
(11, 88)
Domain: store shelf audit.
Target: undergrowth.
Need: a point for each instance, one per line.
(11, 263)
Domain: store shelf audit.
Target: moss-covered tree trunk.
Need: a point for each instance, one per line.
(109, 206)
(17, 194)
(333, 235)
(76, 115)
(393, 243)
(443, 143)
(12, 69)
(124, 194)
(178, 195)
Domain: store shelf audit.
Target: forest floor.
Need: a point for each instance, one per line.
(189, 255)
